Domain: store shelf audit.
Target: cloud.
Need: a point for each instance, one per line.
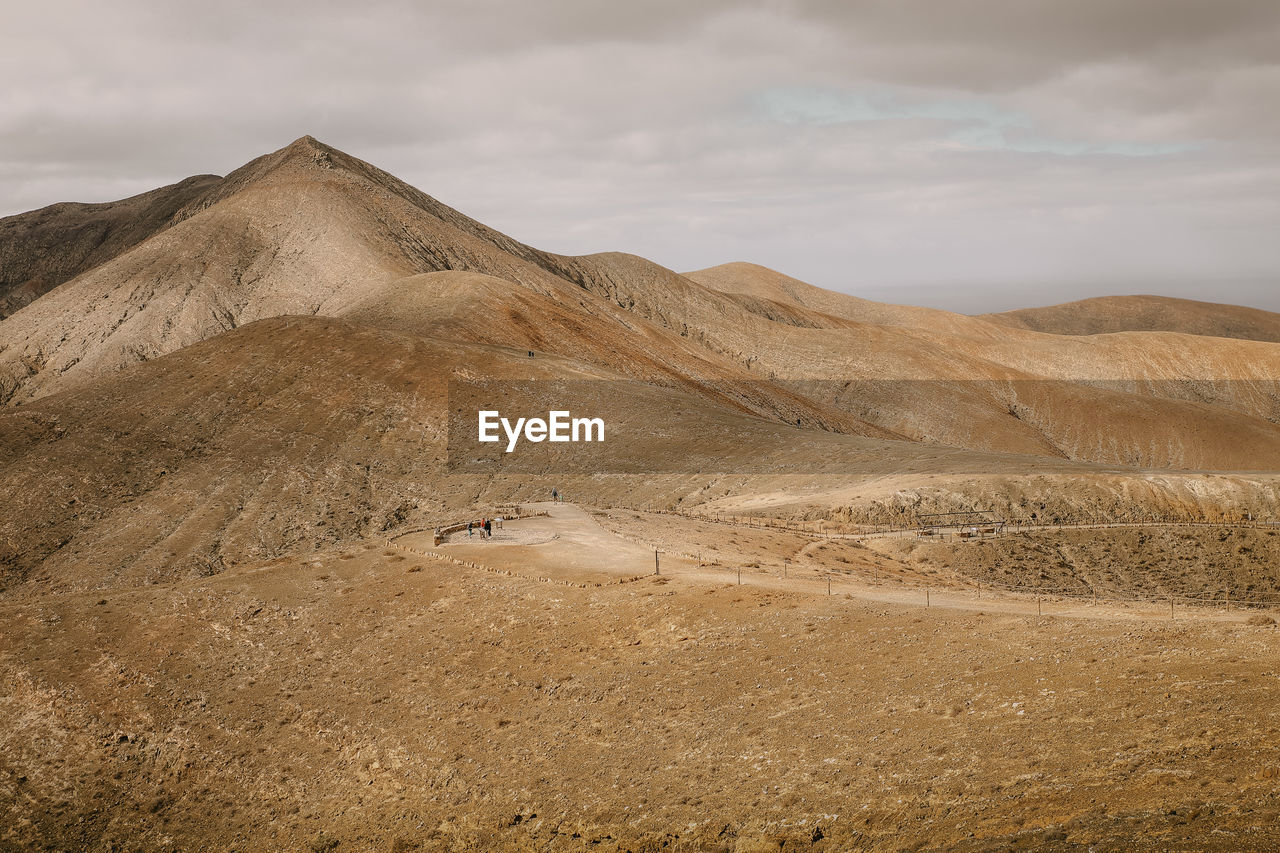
(1022, 148)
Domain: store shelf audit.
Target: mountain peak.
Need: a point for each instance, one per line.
(308, 146)
(303, 159)
(308, 149)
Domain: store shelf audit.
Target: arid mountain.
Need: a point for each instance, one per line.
(232, 411)
(938, 377)
(1109, 314)
(145, 426)
(308, 230)
(752, 284)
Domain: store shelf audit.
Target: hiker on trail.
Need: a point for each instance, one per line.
(488, 528)
(555, 496)
(469, 529)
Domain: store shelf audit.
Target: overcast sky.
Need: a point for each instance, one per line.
(969, 154)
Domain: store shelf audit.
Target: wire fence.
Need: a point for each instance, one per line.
(1226, 600)
(1005, 526)
(972, 596)
(968, 592)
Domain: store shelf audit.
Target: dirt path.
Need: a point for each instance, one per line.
(570, 545)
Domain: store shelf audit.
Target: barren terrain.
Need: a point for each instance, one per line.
(377, 699)
(234, 412)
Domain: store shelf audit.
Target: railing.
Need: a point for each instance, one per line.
(444, 530)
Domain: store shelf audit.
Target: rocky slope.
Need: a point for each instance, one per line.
(42, 249)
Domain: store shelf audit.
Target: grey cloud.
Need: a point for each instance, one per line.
(1001, 44)
(585, 126)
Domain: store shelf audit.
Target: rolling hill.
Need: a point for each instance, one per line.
(1109, 314)
(263, 362)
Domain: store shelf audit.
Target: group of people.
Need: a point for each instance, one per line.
(484, 526)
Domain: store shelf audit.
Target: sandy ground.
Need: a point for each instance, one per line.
(567, 544)
(384, 701)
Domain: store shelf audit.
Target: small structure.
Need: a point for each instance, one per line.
(966, 524)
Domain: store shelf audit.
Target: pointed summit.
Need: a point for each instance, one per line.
(309, 148)
(304, 153)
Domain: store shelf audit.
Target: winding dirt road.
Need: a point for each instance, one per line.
(569, 545)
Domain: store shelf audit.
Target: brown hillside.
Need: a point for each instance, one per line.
(756, 282)
(42, 249)
(308, 230)
(292, 432)
(296, 432)
(1166, 400)
(1108, 314)
(227, 621)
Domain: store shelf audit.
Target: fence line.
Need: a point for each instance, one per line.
(931, 594)
(1022, 525)
(1094, 596)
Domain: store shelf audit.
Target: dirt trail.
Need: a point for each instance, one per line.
(573, 546)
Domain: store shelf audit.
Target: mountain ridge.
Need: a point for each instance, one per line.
(309, 230)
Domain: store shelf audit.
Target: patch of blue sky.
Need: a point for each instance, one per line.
(982, 125)
(811, 105)
(996, 139)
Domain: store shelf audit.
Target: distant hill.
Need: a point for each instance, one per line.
(1109, 314)
(41, 249)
